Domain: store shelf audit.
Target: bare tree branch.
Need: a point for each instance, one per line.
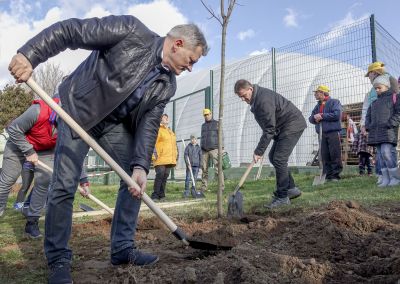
(230, 8)
(48, 76)
(211, 11)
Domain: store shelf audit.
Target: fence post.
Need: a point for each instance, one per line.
(211, 91)
(107, 179)
(373, 38)
(273, 69)
(207, 103)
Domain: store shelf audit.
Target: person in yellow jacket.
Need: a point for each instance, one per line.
(164, 158)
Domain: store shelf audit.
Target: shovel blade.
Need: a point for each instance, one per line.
(85, 207)
(318, 180)
(197, 194)
(235, 205)
(207, 246)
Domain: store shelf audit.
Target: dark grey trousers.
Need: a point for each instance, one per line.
(281, 149)
(331, 153)
(160, 182)
(13, 160)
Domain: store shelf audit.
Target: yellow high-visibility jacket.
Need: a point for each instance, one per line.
(165, 152)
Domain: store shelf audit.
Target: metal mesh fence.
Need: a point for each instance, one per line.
(186, 119)
(387, 50)
(338, 58)
(241, 132)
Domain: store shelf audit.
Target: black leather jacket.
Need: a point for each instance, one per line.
(124, 51)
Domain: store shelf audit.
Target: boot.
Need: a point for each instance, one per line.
(292, 193)
(60, 273)
(379, 180)
(394, 177)
(278, 202)
(394, 172)
(385, 178)
(131, 255)
(32, 228)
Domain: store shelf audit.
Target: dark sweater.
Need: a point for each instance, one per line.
(209, 135)
(194, 154)
(276, 116)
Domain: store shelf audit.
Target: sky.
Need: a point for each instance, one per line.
(255, 25)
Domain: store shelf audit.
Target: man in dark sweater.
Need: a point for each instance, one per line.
(209, 147)
(280, 121)
(327, 114)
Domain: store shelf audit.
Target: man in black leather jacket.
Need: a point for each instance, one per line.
(118, 95)
(281, 121)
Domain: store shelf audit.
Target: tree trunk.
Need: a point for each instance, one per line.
(220, 121)
(223, 20)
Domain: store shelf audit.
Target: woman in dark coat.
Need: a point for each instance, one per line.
(382, 123)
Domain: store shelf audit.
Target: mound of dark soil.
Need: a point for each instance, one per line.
(339, 243)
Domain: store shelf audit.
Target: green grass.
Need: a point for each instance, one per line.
(256, 193)
(14, 248)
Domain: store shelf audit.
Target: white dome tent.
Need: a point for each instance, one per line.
(297, 76)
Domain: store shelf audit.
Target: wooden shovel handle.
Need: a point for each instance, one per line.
(90, 196)
(107, 158)
(244, 176)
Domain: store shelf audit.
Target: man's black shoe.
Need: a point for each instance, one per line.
(32, 229)
(133, 256)
(60, 273)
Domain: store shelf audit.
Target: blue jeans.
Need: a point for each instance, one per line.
(387, 155)
(70, 153)
(377, 164)
(188, 180)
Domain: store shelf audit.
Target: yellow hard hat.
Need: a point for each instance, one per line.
(374, 66)
(322, 88)
(206, 111)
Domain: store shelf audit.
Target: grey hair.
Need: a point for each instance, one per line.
(242, 84)
(191, 34)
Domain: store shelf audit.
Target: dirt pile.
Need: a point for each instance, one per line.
(339, 243)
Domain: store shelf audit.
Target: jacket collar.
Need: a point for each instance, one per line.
(385, 94)
(326, 98)
(253, 96)
(159, 43)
